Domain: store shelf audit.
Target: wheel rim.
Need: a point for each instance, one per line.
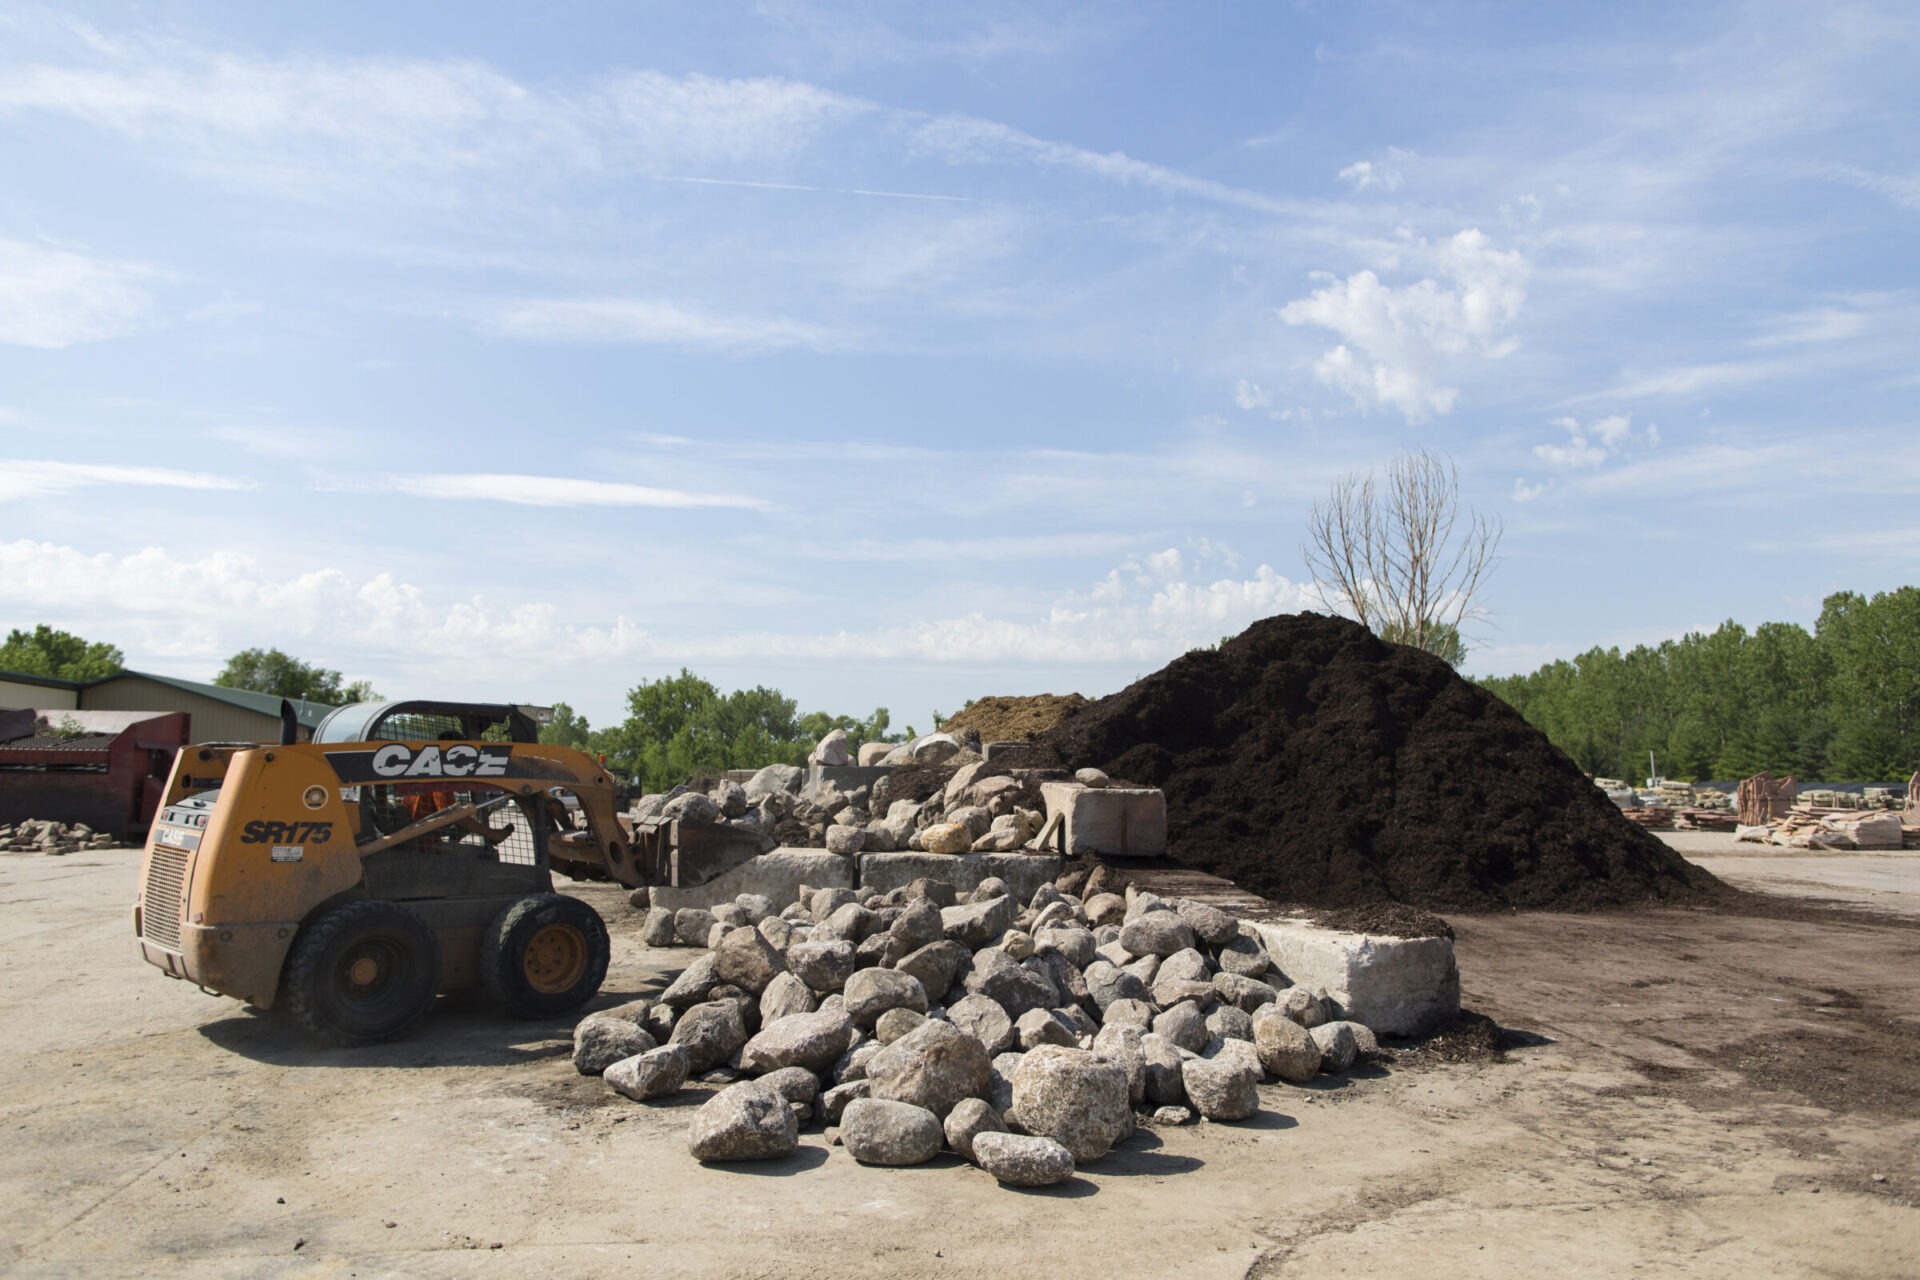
(555, 959)
(370, 971)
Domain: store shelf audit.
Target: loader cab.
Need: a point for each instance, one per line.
(419, 720)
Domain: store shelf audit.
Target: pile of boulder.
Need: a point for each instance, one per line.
(1027, 1040)
(42, 835)
(940, 796)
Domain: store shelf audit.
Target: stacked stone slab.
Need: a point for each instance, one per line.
(1026, 1039)
(40, 835)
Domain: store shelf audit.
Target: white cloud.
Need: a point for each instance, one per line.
(1251, 395)
(55, 297)
(1902, 189)
(1591, 444)
(31, 478)
(562, 491)
(648, 320)
(1524, 492)
(1398, 342)
(1364, 174)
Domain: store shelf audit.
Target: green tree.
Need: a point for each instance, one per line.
(568, 728)
(59, 655)
(274, 672)
(1874, 646)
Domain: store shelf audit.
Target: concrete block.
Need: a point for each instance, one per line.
(1123, 822)
(1398, 986)
(778, 874)
(1023, 872)
(846, 777)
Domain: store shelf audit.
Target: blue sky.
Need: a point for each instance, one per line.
(895, 354)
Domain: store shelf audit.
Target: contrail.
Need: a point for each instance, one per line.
(795, 186)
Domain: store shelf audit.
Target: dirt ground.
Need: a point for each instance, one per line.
(1726, 1093)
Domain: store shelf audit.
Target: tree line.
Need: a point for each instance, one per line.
(1839, 704)
(681, 726)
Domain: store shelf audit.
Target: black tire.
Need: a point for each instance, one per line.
(363, 972)
(545, 955)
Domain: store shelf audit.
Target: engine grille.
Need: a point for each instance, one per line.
(160, 913)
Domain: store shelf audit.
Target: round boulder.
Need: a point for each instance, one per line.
(881, 1131)
(1023, 1160)
(933, 1066)
(745, 1121)
(1077, 1098)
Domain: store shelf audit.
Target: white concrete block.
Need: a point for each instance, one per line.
(1120, 822)
(1399, 986)
(778, 874)
(1023, 872)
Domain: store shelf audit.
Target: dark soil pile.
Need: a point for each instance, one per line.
(1014, 719)
(1310, 762)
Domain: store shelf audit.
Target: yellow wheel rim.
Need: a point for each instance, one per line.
(364, 971)
(555, 959)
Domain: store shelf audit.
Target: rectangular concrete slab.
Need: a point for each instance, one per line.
(1399, 986)
(1023, 872)
(777, 874)
(843, 777)
(1121, 822)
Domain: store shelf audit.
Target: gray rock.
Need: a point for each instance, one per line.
(1129, 1013)
(1243, 1050)
(795, 1084)
(1183, 1025)
(936, 965)
(987, 890)
(1285, 1047)
(885, 1132)
(938, 892)
(691, 925)
(1064, 977)
(919, 924)
(1229, 1023)
(711, 1033)
(693, 985)
(1162, 1065)
(1016, 943)
(659, 1021)
(833, 1103)
(871, 953)
(775, 778)
(1172, 1116)
(852, 1065)
(978, 924)
(1223, 1088)
(1109, 949)
(832, 750)
(657, 930)
(871, 992)
(1243, 993)
(895, 1023)
(779, 934)
(1184, 966)
(1303, 1006)
(1073, 943)
(1211, 925)
(845, 840)
(1000, 1083)
(1246, 957)
(1168, 992)
(1043, 1026)
(744, 1121)
(1104, 909)
(933, 1066)
(1337, 1046)
(1023, 1160)
(852, 922)
(811, 1040)
(784, 996)
(825, 902)
(599, 1041)
(1014, 987)
(1145, 968)
(653, 1074)
(1122, 1043)
(731, 914)
(1366, 1044)
(982, 1018)
(729, 797)
(717, 934)
(1077, 1098)
(747, 960)
(690, 807)
(1106, 984)
(1092, 779)
(970, 1118)
(823, 966)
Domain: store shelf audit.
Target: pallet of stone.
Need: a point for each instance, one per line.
(1652, 817)
(1026, 1039)
(42, 835)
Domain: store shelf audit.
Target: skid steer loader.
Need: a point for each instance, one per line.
(407, 850)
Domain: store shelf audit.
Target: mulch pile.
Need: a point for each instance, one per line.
(1014, 719)
(1310, 762)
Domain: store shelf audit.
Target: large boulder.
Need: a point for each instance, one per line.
(1078, 1099)
(1014, 987)
(1023, 1160)
(1163, 1060)
(1185, 1026)
(711, 1033)
(885, 1132)
(653, 1074)
(975, 925)
(657, 930)
(1074, 943)
(747, 960)
(823, 966)
(933, 1066)
(600, 1040)
(1106, 984)
(745, 1121)
(1244, 956)
(1285, 1047)
(775, 778)
(693, 984)
(1243, 993)
(785, 995)
(871, 992)
(1156, 933)
(1122, 1043)
(936, 965)
(1211, 925)
(982, 1018)
(811, 1040)
(946, 837)
(1223, 1088)
(832, 750)
(1044, 1026)
(1337, 1045)
(919, 924)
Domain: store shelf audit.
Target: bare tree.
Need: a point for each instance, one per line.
(1402, 558)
